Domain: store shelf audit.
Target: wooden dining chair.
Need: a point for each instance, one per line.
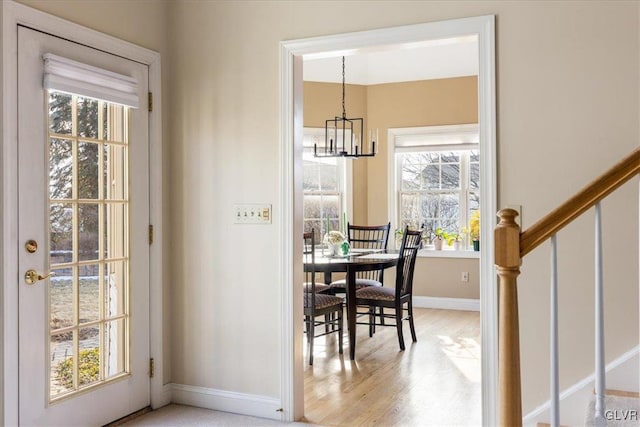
(318, 305)
(309, 245)
(364, 237)
(397, 297)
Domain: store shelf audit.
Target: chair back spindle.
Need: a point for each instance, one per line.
(411, 243)
(369, 237)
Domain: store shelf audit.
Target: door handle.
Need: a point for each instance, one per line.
(32, 276)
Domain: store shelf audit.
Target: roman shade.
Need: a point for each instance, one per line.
(65, 75)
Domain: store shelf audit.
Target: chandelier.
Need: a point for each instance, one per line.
(343, 137)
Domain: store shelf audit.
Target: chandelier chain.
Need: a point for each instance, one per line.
(344, 111)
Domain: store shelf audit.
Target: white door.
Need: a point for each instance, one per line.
(83, 192)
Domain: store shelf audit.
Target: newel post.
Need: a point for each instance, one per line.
(508, 261)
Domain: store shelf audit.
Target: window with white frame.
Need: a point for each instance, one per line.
(437, 177)
(325, 185)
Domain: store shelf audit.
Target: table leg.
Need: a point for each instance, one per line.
(351, 311)
(327, 277)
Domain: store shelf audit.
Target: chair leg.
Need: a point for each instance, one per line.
(413, 329)
(311, 338)
(340, 324)
(372, 321)
(382, 315)
(399, 326)
(327, 321)
(308, 328)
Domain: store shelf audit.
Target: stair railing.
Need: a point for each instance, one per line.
(510, 247)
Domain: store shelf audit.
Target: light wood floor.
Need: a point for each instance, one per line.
(435, 381)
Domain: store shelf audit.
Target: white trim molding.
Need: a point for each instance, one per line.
(292, 53)
(445, 253)
(14, 15)
(442, 303)
(227, 401)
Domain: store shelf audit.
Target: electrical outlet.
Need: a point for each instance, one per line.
(464, 277)
(251, 213)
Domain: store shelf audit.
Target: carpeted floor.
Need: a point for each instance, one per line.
(180, 415)
(619, 411)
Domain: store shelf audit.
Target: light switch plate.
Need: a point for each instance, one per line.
(251, 213)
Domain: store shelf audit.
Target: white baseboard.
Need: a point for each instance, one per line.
(575, 399)
(465, 304)
(227, 401)
(162, 397)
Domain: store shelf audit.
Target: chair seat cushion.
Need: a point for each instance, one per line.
(360, 283)
(370, 292)
(322, 300)
(320, 287)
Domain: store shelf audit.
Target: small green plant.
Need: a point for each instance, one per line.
(453, 237)
(89, 368)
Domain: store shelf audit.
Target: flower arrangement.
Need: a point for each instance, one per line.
(474, 226)
(333, 237)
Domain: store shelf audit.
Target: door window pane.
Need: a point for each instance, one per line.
(88, 165)
(89, 239)
(60, 168)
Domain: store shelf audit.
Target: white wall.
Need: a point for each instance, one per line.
(567, 76)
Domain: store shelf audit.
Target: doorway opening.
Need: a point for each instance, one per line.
(295, 55)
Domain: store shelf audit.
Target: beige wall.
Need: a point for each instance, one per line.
(565, 91)
(424, 103)
(394, 105)
(567, 102)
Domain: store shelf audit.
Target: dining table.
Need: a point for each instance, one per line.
(353, 262)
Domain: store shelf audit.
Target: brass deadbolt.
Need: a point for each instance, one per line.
(31, 246)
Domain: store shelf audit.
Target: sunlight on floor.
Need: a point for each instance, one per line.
(464, 353)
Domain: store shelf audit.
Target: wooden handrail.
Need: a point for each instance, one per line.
(510, 247)
(542, 230)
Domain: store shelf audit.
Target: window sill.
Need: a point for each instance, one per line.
(448, 253)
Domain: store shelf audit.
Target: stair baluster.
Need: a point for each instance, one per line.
(599, 326)
(555, 361)
(510, 247)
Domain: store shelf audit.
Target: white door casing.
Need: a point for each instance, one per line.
(130, 392)
(292, 53)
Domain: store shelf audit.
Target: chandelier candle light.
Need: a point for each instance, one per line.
(343, 137)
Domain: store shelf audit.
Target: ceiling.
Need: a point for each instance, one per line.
(432, 59)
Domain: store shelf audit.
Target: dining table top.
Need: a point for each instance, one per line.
(356, 257)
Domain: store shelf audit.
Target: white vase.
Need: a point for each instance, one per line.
(437, 243)
(329, 250)
(457, 245)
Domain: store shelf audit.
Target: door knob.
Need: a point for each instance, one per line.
(32, 276)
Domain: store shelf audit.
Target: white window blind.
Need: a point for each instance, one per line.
(65, 75)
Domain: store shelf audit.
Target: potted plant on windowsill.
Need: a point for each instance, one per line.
(474, 230)
(454, 239)
(439, 236)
